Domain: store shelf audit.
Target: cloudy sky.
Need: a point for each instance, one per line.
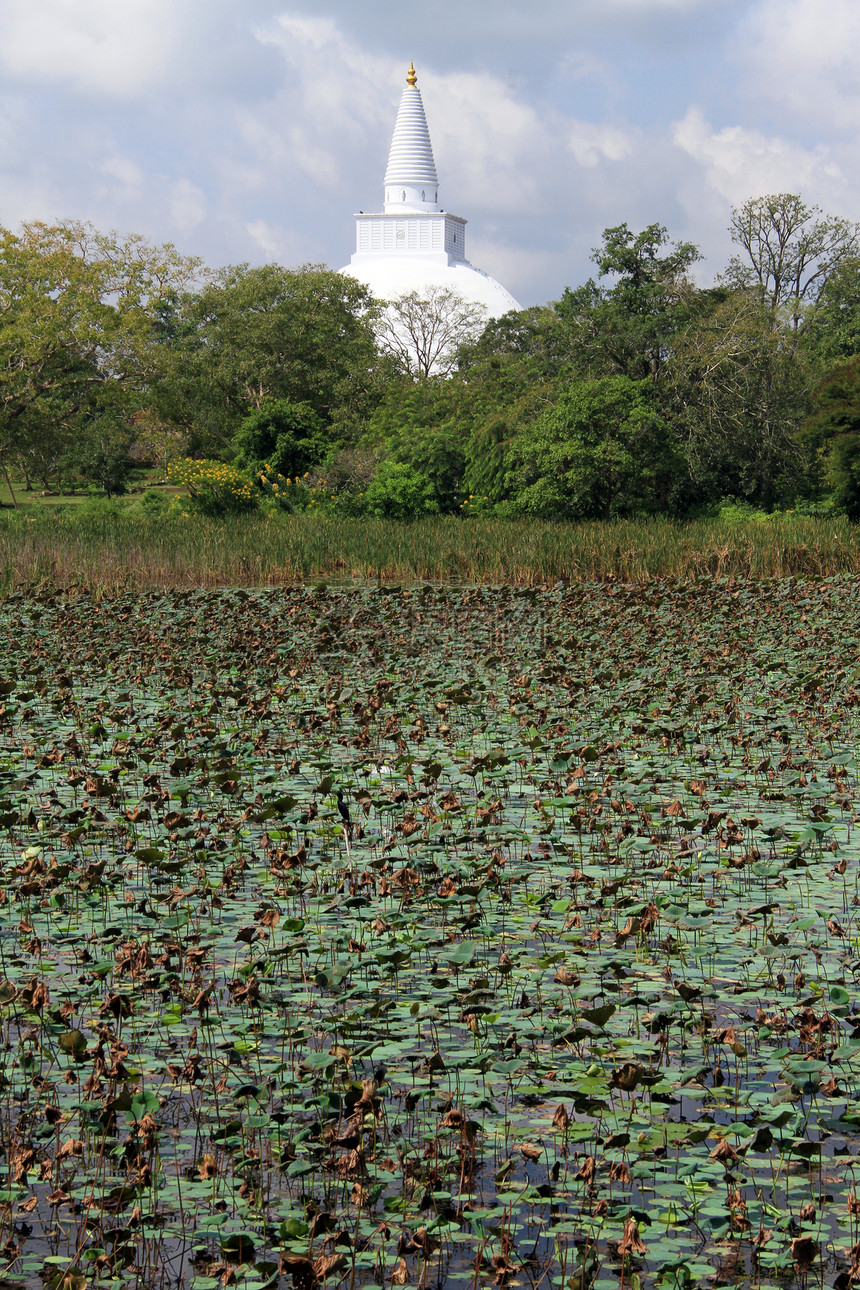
(253, 129)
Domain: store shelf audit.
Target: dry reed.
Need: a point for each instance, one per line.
(104, 554)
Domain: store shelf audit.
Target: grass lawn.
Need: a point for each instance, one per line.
(37, 499)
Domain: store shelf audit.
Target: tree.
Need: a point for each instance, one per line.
(602, 450)
(844, 474)
(257, 334)
(737, 397)
(836, 406)
(832, 328)
(532, 337)
(77, 324)
(789, 251)
(289, 437)
(101, 453)
(628, 328)
(832, 430)
(157, 440)
(423, 331)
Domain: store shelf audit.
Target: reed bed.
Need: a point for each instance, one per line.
(105, 554)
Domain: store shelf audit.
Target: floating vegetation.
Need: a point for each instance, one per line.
(434, 937)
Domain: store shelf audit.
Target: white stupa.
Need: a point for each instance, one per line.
(414, 245)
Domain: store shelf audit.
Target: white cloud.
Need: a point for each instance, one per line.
(516, 267)
(14, 120)
(283, 245)
(490, 146)
(125, 50)
(802, 55)
(591, 144)
(331, 102)
(115, 47)
(739, 162)
(308, 33)
(127, 175)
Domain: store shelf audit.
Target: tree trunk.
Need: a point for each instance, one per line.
(11, 489)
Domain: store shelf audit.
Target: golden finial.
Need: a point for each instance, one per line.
(411, 75)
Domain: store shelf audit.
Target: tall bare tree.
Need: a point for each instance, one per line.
(424, 330)
(789, 250)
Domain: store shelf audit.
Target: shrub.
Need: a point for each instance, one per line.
(734, 512)
(477, 504)
(101, 455)
(154, 502)
(213, 488)
(340, 487)
(98, 508)
(397, 492)
(845, 474)
(288, 438)
(281, 492)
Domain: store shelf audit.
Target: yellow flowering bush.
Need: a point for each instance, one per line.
(476, 505)
(282, 492)
(321, 497)
(212, 487)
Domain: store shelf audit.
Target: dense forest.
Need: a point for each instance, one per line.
(639, 392)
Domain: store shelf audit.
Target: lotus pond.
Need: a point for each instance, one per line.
(428, 936)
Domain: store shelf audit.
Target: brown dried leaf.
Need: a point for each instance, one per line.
(804, 1250)
(71, 1147)
(301, 1270)
(207, 1167)
(423, 1241)
(561, 1119)
(400, 1275)
(723, 1151)
(328, 1264)
(631, 1242)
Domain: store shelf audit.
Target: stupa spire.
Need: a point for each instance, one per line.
(414, 245)
(411, 182)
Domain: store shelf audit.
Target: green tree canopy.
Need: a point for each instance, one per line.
(832, 328)
(831, 435)
(602, 450)
(304, 336)
(289, 437)
(77, 327)
(628, 327)
(836, 406)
